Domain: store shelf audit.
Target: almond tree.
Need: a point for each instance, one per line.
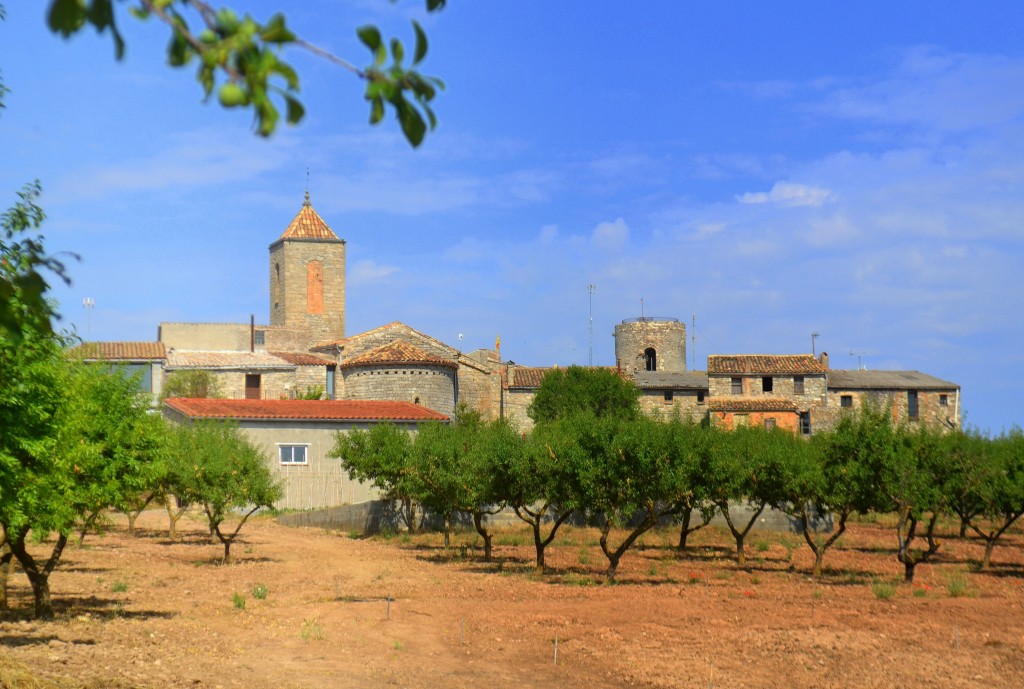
(224, 472)
(997, 486)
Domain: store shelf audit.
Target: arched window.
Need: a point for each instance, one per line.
(650, 359)
(314, 287)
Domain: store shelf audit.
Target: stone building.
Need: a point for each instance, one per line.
(304, 348)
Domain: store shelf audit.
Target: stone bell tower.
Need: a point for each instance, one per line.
(307, 277)
(650, 344)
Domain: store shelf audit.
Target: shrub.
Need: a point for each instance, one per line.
(238, 600)
(883, 590)
(260, 591)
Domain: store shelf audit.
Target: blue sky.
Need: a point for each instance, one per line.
(771, 169)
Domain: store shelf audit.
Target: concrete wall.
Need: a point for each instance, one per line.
(232, 337)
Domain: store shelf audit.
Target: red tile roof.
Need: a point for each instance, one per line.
(751, 404)
(310, 410)
(764, 363)
(398, 352)
(308, 225)
(119, 351)
(300, 359)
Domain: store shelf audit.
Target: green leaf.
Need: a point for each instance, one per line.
(66, 16)
(397, 50)
(370, 36)
(295, 111)
(376, 109)
(421, 43)
(412, 123)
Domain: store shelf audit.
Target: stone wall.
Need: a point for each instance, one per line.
(930, 409)
(683, 404)
(782, 388)
(514, 404)
(430, 386)
(786, 420)
(480, 387)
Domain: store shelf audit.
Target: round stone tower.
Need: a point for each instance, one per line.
(650, 344)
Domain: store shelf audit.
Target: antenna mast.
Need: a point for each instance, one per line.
(590, 334)
(693, 343)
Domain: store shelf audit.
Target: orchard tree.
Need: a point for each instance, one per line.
(225, 473)
(380, 456)
(997, 485)
(598, 391)
(746, 466)
(620, 470)
(830, 476)
(689, 443)
(528, 471)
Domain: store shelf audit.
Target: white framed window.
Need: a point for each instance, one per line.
(293, 454)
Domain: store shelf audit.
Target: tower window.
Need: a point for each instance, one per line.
(766, 384)
(314, 287)
(668, 395)
(912, 409)
(650, 359)
(737, 386)
(798, 385)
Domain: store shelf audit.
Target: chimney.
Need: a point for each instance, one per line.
(823, 359)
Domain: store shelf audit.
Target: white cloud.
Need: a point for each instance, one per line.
(611, 235)
(789, 194)
(368, 271)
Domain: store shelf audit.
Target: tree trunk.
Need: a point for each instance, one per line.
(174, 513)
(534, 519)
(227, 551)
(908, 571)
(819, 557)
(539, 547)
(613, 566)
(38, 576)
(6, 565)
(132, 516)
(740, 536)
(963, 527)
(986, 560)
(447, 531)
(684, 530)
(89, 521)
(478, 522)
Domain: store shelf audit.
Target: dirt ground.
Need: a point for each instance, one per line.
(149, 612)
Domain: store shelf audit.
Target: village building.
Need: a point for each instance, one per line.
(304, 351)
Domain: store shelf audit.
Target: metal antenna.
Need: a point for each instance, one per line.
(590, 335)
(88, 303)
(693, 343)
(813, 336)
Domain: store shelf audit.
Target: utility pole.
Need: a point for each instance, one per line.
(813, 336)
(590, 334)
(88, 303)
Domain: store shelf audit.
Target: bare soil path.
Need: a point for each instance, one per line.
(148, 612)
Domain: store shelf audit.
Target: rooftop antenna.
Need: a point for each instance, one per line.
(307, 185)
(813, 337)
(641, 308)
(88, 303)
(693, 343)
(590, 334)
(860, 367)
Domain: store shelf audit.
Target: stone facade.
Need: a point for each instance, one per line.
(650, 344)
(430, 386)
(307, 288)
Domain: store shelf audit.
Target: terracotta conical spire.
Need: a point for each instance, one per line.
(308, 225)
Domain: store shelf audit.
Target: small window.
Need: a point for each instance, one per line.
(737, 386)
(912, 409)
(798, 385)
(668, 395)
(259, 337)
(293, 454)
(767, 384)
(769, 423)
(805, 422)
(943, 400)
(650, 359)
(330, 382)
(700, 397)
(846, 401)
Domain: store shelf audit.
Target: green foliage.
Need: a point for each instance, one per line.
(119, 586)
(312, 392)
(191, 384)
(239, 57)
(260, 591)
(238, 600)
(599, 391)
(312, 630)
(216, 466)
(23, 303)
(380, 456)
(957, 585)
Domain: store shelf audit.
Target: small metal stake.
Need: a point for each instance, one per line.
(389, 606)
(462, 631)
(556, 650)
